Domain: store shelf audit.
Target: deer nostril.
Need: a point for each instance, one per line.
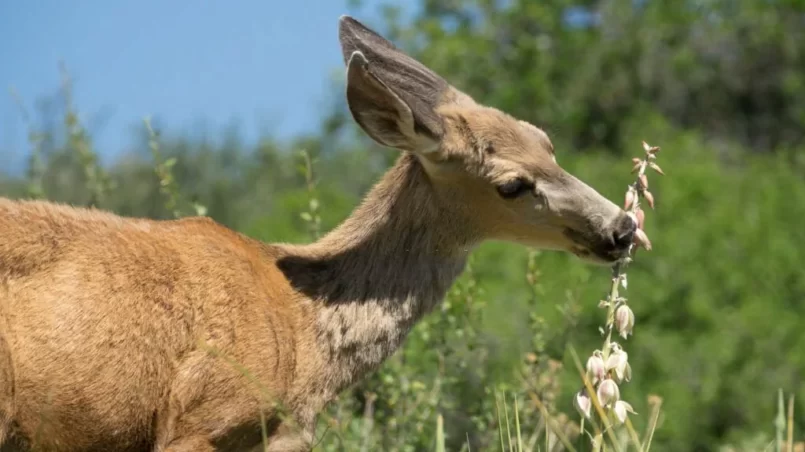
(624, 233)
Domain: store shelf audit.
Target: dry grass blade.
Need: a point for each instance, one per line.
(506, 413)
(779, 422)
(655, 402)
(633, 435)
(440, 434)
(517, 425)
(500, 424)
(790, 436)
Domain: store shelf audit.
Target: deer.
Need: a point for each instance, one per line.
(128, 334)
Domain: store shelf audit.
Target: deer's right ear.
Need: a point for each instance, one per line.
(390, 95)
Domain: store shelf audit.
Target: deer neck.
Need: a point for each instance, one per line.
(373, 277)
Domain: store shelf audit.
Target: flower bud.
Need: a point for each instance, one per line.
(649, 198)
(608, 392)
(636, 160)
(635, 167)
(641, 239)
(644, 181)
(650, 149)
(629, 199)
(583, 403)
(621, 410)
(595, 369)
(656, 168)
(624, 320)
(641, 217)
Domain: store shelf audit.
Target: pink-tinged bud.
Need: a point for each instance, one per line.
(583, 403)
(595, 369)
(656, 168)
(644, 181)
(608, 392)
(635, 167)
(624, 320)
(649, 198)
(641, 239)
(636, 160)
(622, 410)
(650, 149)
(629, 199)
(641, 217)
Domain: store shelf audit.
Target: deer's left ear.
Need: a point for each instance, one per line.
(383, 114)
(392, 96)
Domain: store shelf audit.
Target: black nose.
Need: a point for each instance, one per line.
(624, 231)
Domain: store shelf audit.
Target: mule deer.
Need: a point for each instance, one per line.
(132, 334)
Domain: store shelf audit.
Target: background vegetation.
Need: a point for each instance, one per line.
(720, 302)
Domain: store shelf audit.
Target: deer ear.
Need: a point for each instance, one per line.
(381, 113)
(390, 95)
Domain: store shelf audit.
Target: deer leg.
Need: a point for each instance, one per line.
(5, 416)
(4, 425)
(190, 444)
(184, 392)
(188, 421)
(6, 389)
(287, 438)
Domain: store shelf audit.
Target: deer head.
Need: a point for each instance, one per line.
(497, 175)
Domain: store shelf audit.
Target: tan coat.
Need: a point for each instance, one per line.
(132, 334)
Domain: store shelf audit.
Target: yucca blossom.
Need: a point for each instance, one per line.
(583, 403)
(624, 320)
(622, 410)
(608, 392)
(595, 368)
(608, 367)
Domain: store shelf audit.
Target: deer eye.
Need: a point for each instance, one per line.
(515, 188)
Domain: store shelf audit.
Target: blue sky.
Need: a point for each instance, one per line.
(268, 65)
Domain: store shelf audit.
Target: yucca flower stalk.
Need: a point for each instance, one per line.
(608, 367)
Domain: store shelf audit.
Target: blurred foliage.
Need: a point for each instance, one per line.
(720, 302)
(732, 69)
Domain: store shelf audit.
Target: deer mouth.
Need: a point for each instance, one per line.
(597, 248)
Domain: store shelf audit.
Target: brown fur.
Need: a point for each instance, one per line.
(131, 334)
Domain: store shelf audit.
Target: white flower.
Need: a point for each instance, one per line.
(583, 403)
(608, 392)
(621, 410)
(619, 362)
(595, 368)
(624, 320)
